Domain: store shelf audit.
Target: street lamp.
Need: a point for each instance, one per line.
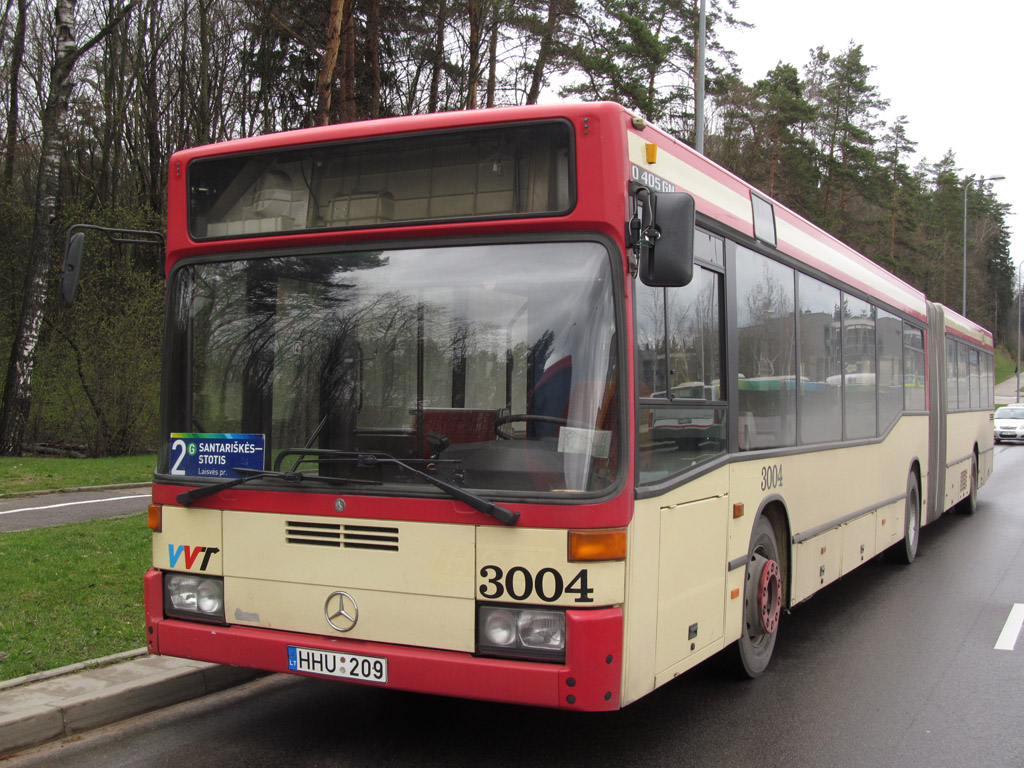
(1020, 289)
(967, 186)
(699, 96)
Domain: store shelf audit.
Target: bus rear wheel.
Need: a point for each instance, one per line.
(905, 551)
(969, 504)
(762, 600)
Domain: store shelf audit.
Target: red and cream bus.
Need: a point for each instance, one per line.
(532, 405)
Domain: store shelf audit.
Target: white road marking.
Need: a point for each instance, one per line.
(73, 503)
(1011, 629)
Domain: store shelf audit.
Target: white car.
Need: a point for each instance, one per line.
(1008, 423)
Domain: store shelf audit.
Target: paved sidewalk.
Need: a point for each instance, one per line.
(51, 705)
(1006, 391)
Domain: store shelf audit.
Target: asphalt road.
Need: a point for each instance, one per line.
(25, 512)
(891, 666)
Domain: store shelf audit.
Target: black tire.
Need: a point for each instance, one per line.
(905, 551)
(969, 504)
(762, 601)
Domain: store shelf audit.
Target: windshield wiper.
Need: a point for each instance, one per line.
(186, 498)
(506, 516)
(369, 460)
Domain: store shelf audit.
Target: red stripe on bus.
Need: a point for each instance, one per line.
(589, 680)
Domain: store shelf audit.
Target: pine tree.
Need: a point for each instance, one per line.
(847, 107)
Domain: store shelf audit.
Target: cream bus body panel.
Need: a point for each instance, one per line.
(422, 593)
(193, 528)
(965, 431)
(536, 550)
(844, 505)
(428, 558)
(426, 621)
(695, 534)
(677, 581)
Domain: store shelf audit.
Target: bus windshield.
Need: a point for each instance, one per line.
(493, 367)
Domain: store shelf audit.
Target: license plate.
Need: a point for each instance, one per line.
(372, 669)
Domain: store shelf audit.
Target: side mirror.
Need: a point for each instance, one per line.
(75, 246)
(72, 268)
(667, 260)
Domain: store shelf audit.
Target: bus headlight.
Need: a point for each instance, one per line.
(526, 633)
(194, 597)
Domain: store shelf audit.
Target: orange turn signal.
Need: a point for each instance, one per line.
(155, 517)
(597, 545)
(652, 152)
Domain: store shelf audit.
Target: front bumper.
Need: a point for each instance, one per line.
(589, 680)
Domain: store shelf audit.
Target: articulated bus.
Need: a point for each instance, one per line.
(531, 405)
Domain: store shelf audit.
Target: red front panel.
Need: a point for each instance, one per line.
(589, 680)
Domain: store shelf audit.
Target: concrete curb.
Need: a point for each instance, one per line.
(83, 489)
(38, 677)
(39, 708)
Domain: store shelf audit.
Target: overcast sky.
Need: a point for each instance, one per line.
(954, 69)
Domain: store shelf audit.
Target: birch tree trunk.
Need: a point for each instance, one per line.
(18, 385)
(17, 56)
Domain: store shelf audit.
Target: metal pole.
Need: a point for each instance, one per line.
(963, 310)
(699, 96)
(1019, 288)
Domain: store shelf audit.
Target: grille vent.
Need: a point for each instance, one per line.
(347, 536)
(370, 537)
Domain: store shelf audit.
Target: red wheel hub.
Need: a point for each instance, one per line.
(769, 597)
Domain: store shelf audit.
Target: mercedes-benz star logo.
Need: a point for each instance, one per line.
(341, 611)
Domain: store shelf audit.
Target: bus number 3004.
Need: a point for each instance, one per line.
(520, 584)
(771, 477)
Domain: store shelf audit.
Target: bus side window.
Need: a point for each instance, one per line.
(766, 341)
(914, 372)
(859, 399)
(820, 385)
(889, 339)
(682, 419)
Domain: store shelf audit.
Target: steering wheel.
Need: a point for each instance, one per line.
(509, 418)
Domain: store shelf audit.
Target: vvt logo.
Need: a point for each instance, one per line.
(174, 554)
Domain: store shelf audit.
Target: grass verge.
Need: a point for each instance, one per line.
(31, 473)
(1005, 364)
(71, 593)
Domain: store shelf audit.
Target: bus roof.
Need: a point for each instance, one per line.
(725, 197)
(958, 325)
(719, 193)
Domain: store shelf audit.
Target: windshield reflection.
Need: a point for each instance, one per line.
(492, 366)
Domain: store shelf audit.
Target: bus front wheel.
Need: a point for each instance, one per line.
(762, 600)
